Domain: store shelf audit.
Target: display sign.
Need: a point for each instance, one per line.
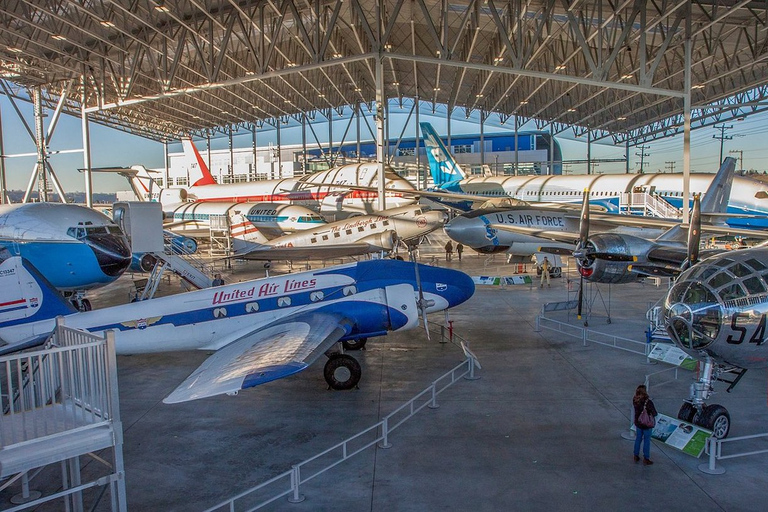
(501, 281)
(670, 354)
(686, 437)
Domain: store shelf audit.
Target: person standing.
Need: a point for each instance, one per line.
(459, 249)
(448, 250)
(544, 272)
(642, 402)
(217, 280)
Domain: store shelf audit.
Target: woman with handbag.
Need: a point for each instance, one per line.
(645, 420)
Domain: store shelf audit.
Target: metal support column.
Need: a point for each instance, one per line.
(517, 145)
(208, 148)
(357, 114)
(3, 196)
(380, 128)
(86, 146)
(687, 118)
(40, 174)
(231, 156)
(166, 170)
(627, 156)
(279, 122)
(252, 176)
(482, 139)
(551, 147)
(589, 151)
(417, 151)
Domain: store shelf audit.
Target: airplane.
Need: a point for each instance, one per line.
(76, 248)
(657, 244)
(716, 313)
(356, 235)
(315, 191)
(747, 207)
(261, 330)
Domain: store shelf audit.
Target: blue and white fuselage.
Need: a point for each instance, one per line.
(266, 328)
(74, 247)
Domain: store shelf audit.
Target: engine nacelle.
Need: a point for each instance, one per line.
(386, 240)
(143, 262)
(173, 195)
(600, 270)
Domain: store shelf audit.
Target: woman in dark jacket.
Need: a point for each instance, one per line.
(643, 435)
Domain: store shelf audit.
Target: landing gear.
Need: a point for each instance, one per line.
(79, 301)
(342, 372)
(357, 344)
(712, 417)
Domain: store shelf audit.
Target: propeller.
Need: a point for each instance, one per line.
(421, 303)
(581, 248)
(694, 233)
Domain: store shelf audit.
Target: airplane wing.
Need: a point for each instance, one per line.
(283, 348)
(315, 252)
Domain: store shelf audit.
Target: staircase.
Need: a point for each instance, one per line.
(643, 203)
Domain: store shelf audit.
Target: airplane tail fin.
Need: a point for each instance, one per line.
(26, 296)
(442, 165)
(719, 192)
(245, 236)
(143, 184)
(199, 174)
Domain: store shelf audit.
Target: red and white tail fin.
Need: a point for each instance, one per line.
(198, 171)
(245, 236)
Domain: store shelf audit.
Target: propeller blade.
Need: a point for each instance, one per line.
(694, 231)
(420, 303)
(584, 221)
(581, 296)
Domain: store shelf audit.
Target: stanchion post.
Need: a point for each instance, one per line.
(630, 434)
(295, 497)
(713, 449)
(385, 434)
(433, 403)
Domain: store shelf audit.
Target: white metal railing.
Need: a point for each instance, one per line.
(289, 482)
(714, 448)
(649, 204)
(588, 335)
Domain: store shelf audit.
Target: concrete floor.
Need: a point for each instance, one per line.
(540, 430)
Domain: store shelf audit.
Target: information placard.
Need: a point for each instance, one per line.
(670, 354)
(686, 437)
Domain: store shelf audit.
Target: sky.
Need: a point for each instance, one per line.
(110, 147)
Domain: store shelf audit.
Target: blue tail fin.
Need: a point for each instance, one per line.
(442, 166)
(26, 296)
(719, 192)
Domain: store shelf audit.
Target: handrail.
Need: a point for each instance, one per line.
(714, 448)
(295, 477)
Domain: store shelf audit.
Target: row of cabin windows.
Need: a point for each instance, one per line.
(286, 301)
(360, 229)
(568, 193)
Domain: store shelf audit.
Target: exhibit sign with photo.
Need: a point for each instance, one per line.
(686, 437)
(501, 281)
(670, 354)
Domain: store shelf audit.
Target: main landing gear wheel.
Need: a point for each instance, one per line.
(687, 412)
(357, 344)
(342, 372)
(715, 418)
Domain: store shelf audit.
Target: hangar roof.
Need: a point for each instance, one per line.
(160, 68)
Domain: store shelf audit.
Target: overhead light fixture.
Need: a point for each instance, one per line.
(571, 110)
(58, 37)
(697, 86)
(478, 95)
(321, 95)
(107, 23)
(357, 89)
(437, 89)
(396, 84)
(14, 49)
(560, 67)
(498, 60)
(622, 118)
(337, 55)
(162, 8)
(524, 102)
(627, 76)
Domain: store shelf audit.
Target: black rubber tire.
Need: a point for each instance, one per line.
(358, 344)
(687, 412)
(715, 418)
(333, 372)
(86, 305)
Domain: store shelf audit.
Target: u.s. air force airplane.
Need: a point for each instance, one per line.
(261, 330)
(74, 247)
(357, 235)
(748, 205)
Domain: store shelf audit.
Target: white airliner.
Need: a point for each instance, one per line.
(315, 191)
(74, 247)
(749, 196)
(356, 235)
(261, 330)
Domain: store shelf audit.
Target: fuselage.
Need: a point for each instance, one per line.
(74, 247)
(212, 318)
(718, 308)
(315, 191)
(747, 195)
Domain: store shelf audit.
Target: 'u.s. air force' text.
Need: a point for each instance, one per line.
(530, 220)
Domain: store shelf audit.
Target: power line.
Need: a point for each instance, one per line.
(722, 137)
(642, 154)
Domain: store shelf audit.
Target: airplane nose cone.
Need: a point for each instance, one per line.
(112, 251)
(451, 287)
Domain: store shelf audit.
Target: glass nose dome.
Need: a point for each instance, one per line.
(693, 315)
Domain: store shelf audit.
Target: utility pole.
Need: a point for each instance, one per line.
(741, 157)
(722, 137)
(670, 166)
(642, 154)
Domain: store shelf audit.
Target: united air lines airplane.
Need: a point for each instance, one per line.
(260, 330)
(748, 197)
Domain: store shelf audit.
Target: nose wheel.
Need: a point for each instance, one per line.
(342, 372)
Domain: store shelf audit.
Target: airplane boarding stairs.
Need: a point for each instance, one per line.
(643, 203)
(58, 404)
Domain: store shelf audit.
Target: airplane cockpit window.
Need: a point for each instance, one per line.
(693, 314)
(740, 270)
(720, 279)
(732, 292)
(703, 272)
(755, 264)
(754, 285)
